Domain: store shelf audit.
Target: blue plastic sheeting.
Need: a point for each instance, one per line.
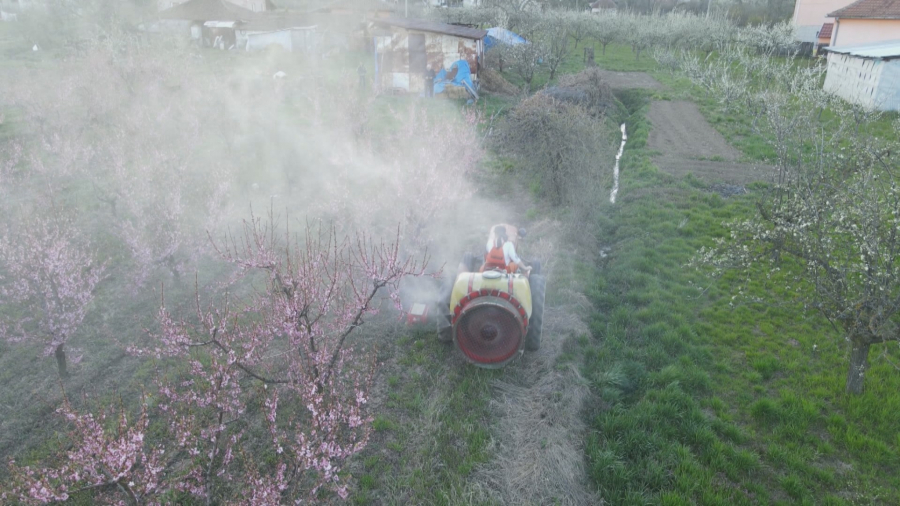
(497, 35)
(463, 78)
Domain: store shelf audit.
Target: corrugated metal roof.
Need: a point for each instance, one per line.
(869, 9)
(825, 32)
(423, 25)
(207, 10)
(883, 50)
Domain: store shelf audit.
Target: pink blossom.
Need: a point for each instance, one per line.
(49, 276)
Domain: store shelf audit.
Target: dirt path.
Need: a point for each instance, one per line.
(535, 421)
(689, 144)
(538, 430)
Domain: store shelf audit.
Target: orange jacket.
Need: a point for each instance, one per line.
(494, 259)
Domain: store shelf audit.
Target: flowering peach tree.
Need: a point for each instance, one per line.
(255, 403)
(47, 283)
(109, 455)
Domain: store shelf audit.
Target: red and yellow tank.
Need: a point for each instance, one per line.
(489, 313)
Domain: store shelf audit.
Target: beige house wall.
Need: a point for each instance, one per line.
(812, 12)
(850, 32)
(810, 15)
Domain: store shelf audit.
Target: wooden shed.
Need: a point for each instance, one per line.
(405, 47)
(868, 74)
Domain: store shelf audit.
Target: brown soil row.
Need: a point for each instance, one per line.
(690, 145)
(631, 80)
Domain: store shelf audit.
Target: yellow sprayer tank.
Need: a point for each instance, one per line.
(490, 313)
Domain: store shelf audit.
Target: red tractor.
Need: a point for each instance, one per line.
(492, 315)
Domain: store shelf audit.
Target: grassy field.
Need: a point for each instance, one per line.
(431, 431)
(702, 398)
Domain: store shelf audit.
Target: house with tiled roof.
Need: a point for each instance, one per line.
(866, 22)
(824, 37)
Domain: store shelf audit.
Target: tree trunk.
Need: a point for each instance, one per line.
(61, 361)
(859, 362)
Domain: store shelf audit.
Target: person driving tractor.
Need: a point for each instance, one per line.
(501, 253)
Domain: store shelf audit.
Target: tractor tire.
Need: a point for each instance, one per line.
(536, 322)
(535, 267)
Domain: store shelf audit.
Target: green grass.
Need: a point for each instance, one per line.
(433, 430)
(617, 57)
(705, 399)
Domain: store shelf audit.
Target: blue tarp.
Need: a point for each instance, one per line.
(497, 35)
(463, 78)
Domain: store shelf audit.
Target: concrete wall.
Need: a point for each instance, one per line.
(850, 32)
(874, 84)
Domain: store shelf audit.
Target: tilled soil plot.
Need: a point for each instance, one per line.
(688, 144)
(631, 80)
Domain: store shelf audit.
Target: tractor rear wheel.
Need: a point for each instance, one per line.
(535, 267)
(536, 322)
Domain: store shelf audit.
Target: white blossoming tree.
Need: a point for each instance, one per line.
(830, 221)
